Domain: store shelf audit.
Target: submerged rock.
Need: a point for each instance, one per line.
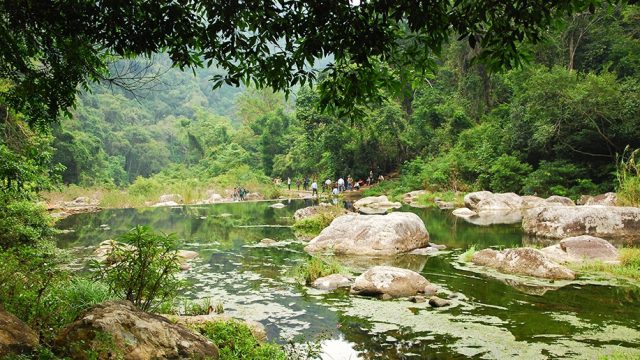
(395, 282)
(132, 334)
(395, 233)
(16, 338)
(464, 212)
(435, 301)
(375, 205)
(277, 206)
(522, 261)
(621, 223)
(581, 248)
(332, 282)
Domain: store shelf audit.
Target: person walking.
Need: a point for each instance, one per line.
(341, 185)
(314, 188)
(298, 184)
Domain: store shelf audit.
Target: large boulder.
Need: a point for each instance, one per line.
(395, 233)
(608, 199)
(323, 208)
(609, 222)
(120, 330)
(171, 197)
(522, 261)
(16, 337)
(388, 280)
(581, 248)
(488, 201)
(374, 205)
(493, 217)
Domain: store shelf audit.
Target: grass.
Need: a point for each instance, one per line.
(235, 341)
(313, 225)
(629, 266)
(628, 175)
(468, 255)
(620, 355)
(317, 267)
(428, 199)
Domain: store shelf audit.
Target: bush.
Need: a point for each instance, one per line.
(22, 222)
(313, 225)
(508, 174)
(554, 178)
(317, 267)
(236, 342)
(146, 268)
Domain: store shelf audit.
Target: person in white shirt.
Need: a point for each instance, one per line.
(341, 184)
(335, 191)
(314, 188)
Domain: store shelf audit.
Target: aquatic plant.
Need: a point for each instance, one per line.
(317, 267)
(468, 255)
(629, 266)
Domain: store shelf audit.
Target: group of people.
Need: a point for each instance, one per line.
(335, 187)
(239, 193)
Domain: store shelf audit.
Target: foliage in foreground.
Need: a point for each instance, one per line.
(316, 267)
(236, 342)
(145, 269)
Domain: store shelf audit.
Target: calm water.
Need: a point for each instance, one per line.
(492, 317)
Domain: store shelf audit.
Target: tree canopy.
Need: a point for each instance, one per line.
(49, 49)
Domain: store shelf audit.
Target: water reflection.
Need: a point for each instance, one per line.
(492, 318)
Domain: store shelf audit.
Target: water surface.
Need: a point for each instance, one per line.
(492, 317)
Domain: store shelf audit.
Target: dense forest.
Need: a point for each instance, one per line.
(121, 102)
(554, 126)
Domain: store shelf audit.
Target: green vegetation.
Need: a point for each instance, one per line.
(313, 225)
(142, 268)
(629, 266)
(236, 342)
(468, 255)
(628, 174)
(317, 267)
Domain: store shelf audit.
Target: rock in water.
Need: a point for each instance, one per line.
(558, 200)
(464, 212)
(523, 261)
(581, 248)
(435, 301)
(486, 200)
(332, 282)
(132, 334)
(277, 206)
(374, 205)
(395, 233)
(609, 222)
(16, 338)
(395, 282)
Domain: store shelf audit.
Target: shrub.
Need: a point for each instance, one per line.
(313, 225)
(628, 176)
(236, 342)
(317, 267)
(22, 222)
(508, 174)
(553, 178)
(146, 268)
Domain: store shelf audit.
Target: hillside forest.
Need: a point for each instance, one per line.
(555, 126)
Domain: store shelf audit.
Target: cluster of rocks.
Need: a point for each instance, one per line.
(78, 205)
(548, 262)
(385, 282)
(170, 200)
(119, 330)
